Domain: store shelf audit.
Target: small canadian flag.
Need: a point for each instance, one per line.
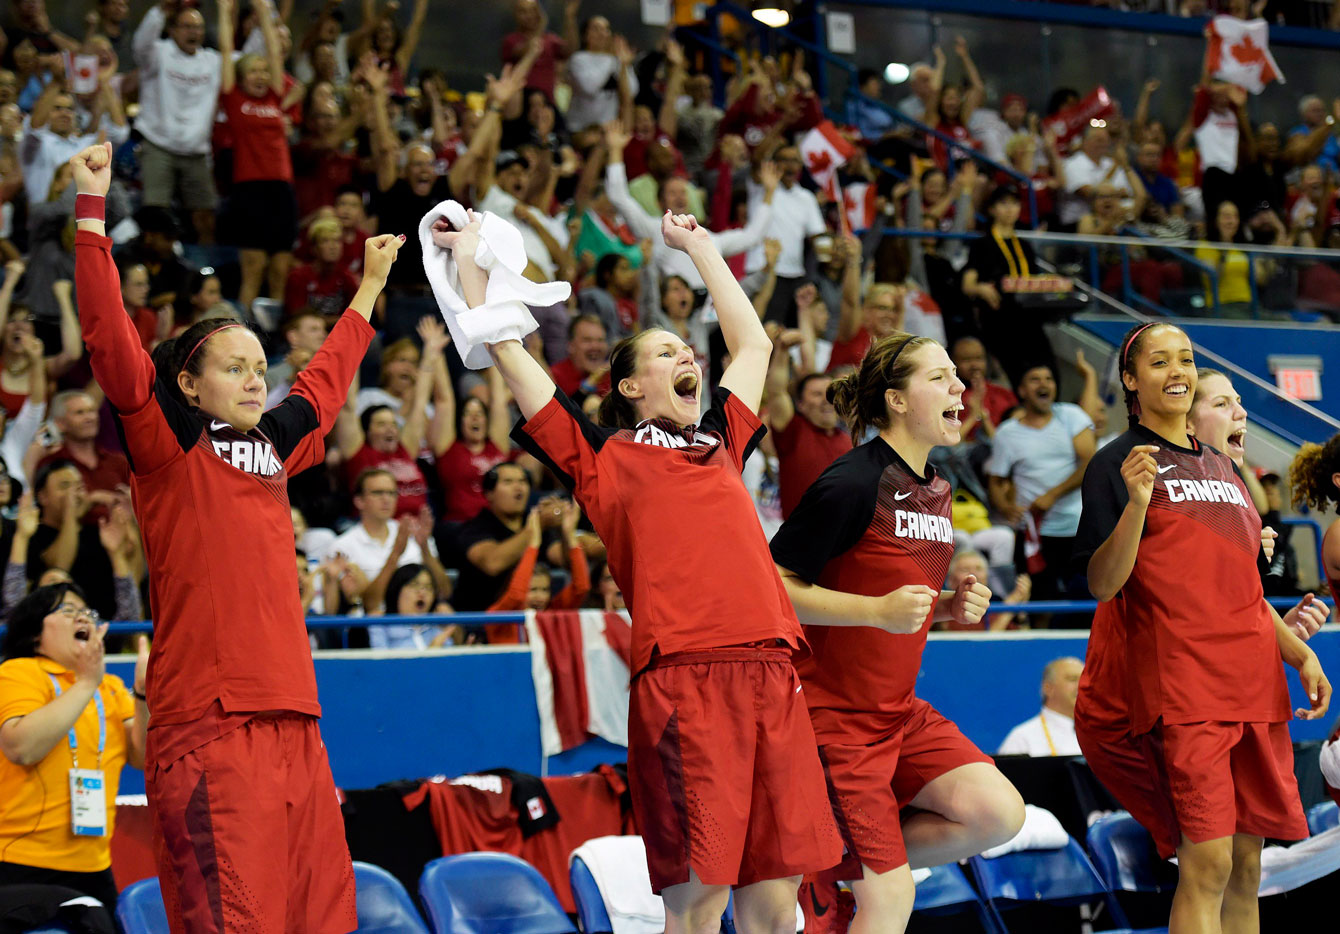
(858, 200)
(83, 72)
(825, 150)
(1239, 53)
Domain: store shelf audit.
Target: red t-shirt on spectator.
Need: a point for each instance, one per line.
(803, 452)
(409, 480)
(999, 401)
(849, 352)
(544, 73)
(462, 475)
(328, 291)
(939, 149)
(569, 379)
(111, 471)
(146, 326)
(260, 133)
(319, 173)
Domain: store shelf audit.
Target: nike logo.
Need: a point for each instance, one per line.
(819, 910)
(902, 496)
(798, 687)
(1167, 468)
(217, 425)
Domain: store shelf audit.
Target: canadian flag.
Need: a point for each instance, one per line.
(1239, 53)
(824, 150)
(858, 200)
(82, 71)
(579, 661)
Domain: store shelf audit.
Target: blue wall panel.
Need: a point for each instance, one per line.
(451, 713)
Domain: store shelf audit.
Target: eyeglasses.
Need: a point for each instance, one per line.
(88, 614)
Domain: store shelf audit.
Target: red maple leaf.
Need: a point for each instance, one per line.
(1247, 52)
(819, 161)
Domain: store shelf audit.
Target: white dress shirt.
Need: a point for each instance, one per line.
(1048, 734)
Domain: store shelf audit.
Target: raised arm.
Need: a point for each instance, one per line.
(500, 412)
(668, 119)
(145, 41)
(409, 42)
(747, 342)
(643, 225)
(119, 363)
(71, 341)
(730, 242)
(434, 336)
(228, 73)
(976, 89)
(274, 55)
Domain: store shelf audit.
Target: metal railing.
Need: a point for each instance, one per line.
(479, 620)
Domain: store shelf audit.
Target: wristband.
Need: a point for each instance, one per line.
(90, 207)
(138, 695)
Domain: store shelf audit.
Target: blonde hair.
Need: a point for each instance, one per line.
(1016, 142)
(324, 227)
(879, 290)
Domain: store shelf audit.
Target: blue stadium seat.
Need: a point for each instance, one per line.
(139, 908)
(947, 891)
(489, 893)
(592, 918)
(384, 907)
(1322, 816)
(1124, 854)
(1053, 877)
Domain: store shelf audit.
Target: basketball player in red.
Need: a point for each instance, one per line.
(727, 787)
(248, 831)
(1183, 710)
(1217, 419)
(864, 556)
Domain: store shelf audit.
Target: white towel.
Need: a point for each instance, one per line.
(1041, 831)
(504, 315)
(1330, 763)
(1284, 868)
(619, 866)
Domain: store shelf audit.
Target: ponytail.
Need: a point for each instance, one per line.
(859, 396)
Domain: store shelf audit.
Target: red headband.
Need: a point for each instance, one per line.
(1131, 340)
(231, 324)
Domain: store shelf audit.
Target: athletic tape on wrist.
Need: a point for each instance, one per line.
(88, 207)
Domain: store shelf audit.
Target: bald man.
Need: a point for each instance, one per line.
(1052, 731)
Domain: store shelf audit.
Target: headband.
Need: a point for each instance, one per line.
(1131, 340)
(901, 347)
(232, 324)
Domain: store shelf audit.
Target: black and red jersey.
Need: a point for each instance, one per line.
(212, 504)
(1189, 638)
(868, 525)
(683, 538)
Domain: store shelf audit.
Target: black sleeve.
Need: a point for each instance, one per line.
(740, 428)
(288, 423)
(1103, 497)
(830, 518)
(471, 534)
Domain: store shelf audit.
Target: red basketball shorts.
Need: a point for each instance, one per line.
(724, 771)
(868, 784)
(1127, 767)
(249, 836)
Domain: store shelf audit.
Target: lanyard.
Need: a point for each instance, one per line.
(1051, 747)
(102, 725)
(1016, 269)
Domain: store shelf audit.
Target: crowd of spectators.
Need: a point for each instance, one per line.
(256, 148)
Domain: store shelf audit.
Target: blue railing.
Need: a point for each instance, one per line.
(479, 620)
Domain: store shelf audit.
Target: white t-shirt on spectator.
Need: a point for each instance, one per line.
(503, 204)
(669, 261)
(595, 92)
(1217, 141)
(178, 92)
(795, 218)
(912, 106)
(370, 555)
(42, 152)
(1037, 459)
(302, 61)
(1083, 172)
(1030, 738)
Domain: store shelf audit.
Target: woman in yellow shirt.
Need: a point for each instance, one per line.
(1231, 266)
(66, 727)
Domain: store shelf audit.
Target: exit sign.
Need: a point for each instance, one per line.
(1304, 384)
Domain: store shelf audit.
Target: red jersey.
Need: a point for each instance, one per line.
(803, 453)
(569, 379)
(1185, 641)
(867, 526)
(213, 509)
(260, 132)
(849, 352)
(327, 292)
(409, 480)
(462, 475)
(683, 538)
